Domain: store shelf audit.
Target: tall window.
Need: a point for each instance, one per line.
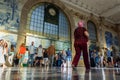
(108, 37)
(48, 20)
(93, 35)
(92, 31)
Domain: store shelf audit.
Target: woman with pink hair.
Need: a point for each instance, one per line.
(80, 43)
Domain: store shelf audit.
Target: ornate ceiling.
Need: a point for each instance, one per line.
(109, 9)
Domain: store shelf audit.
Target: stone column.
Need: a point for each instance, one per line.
(22, 29)
(20, 40)
(100, 35)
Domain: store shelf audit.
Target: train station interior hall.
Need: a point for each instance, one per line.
(38, 39)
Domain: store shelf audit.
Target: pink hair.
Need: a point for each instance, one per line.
(81, 23)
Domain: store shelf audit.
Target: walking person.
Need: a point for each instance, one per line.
(6, 52)
(31, 54)
(11, 55)
(5, 48)
(2, 58)
(51, 53)
(26, 56)
(39, 58)
(109, 57)
(21, 52)
(45, 57)
(80, 43)
(69, 57)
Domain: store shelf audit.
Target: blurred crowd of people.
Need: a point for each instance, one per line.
(104, 57)
(6, 53)
(33, 56)
(38, 56)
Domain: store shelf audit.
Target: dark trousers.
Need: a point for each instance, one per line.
(78, 48)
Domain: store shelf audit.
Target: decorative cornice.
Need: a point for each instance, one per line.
(84, 8)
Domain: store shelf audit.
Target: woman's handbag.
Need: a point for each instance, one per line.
(19, 56)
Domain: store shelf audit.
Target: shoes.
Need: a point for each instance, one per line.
(87, 70)
(74, 68)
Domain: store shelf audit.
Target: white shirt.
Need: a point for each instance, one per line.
(1, 49)
(40, 54)
(32, 49)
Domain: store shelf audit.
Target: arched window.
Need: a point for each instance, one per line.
(48, 20)
(92, 31)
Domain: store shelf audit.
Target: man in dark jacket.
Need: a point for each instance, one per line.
(51, 53)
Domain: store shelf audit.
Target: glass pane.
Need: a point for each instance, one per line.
(37, 19)
(108, 37)
(37, 24)
(63, 26)
(92, 30)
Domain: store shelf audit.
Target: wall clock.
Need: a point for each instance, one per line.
(52, 12)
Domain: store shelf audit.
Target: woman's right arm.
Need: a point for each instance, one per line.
(86, 34)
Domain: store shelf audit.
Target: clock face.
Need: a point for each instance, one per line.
(52, 12)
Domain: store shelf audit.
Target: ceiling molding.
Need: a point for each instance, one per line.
(111, 11)
(118, 22)
(81, 7)
(109, 20)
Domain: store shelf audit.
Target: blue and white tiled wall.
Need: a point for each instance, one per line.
(9, 15)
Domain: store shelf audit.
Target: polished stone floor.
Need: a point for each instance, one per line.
(15, 73)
